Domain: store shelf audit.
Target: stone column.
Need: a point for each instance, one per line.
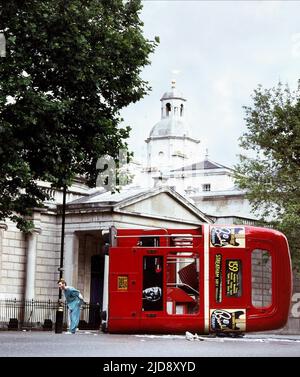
(71, 251)
(31, 264)
(3, 227)
(88, 252)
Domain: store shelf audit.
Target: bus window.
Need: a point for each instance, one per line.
(182, 283)
(261, 265)
(148, 241)
(152, 283)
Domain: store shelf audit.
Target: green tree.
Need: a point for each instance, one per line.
(70, 67)
(271, 172)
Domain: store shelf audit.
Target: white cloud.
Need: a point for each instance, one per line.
(223, 87)
(295, 48)
(261, 9)
(176, 71)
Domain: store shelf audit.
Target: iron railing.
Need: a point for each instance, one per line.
(38, 314)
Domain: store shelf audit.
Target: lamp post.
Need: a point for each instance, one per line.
(60, 309)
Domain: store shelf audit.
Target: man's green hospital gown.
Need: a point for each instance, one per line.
(74, 302)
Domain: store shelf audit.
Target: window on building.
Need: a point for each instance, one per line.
(168, 109)
(181, 110)
(206, 187)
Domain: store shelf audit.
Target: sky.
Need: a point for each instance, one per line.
(218, 52)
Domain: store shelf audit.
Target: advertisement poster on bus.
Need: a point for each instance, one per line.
(228, 320)
(227, 237)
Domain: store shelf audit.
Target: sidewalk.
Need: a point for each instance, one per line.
(273, 336)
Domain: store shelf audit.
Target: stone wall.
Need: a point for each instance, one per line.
(13, 260)
(293, 325)
(48, 258)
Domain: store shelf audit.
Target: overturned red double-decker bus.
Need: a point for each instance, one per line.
(214, 279)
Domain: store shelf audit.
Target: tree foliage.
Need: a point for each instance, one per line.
(70, 67)
(271, 171)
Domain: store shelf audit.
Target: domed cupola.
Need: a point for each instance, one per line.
(172, 121)
(169, 144)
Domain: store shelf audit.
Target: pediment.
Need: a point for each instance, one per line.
(163, 204)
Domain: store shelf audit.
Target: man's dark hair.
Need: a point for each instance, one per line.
(62, 281)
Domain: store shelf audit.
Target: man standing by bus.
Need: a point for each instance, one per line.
(74, 301)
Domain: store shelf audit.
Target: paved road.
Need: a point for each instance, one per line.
(97, 344)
